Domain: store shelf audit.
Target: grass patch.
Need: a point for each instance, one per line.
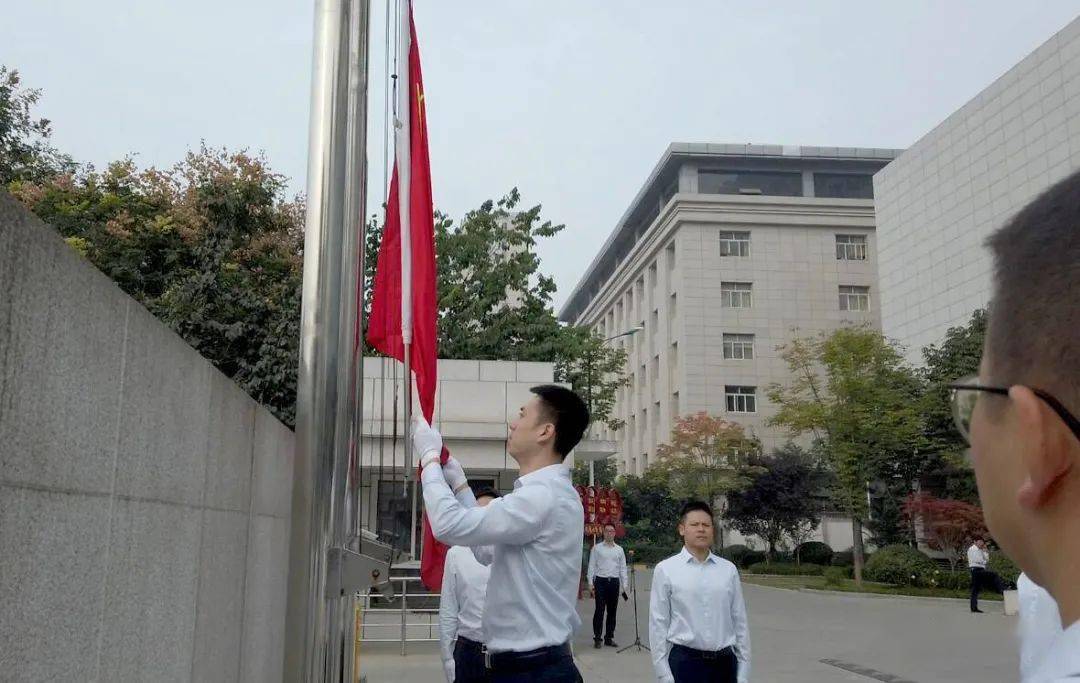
(848, 586)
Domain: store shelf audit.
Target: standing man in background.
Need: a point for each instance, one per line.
(461, 610)
(978, 557)
(607, 578)
(698, 630)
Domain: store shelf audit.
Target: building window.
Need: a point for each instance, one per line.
(741, 399)
(734, 243)
(736, 294)
(851, 247)
(738, 346)
(844, 185)
(854, 298)
(774, 183)
(674, 406)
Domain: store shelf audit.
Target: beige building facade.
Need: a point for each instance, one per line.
(724, 254)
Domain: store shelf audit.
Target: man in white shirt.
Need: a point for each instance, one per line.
(607, 577)
(461, 610)
(530, 537)
(978, 557)
(1020, 413)
(698, 629)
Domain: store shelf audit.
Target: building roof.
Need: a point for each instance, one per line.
(672, 158)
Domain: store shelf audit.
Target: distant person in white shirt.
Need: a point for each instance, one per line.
(607, 578)
(698, 629)
(461, 610)
(978, 556)
(1020, 413)
(530, 537)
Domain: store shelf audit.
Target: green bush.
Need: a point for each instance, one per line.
(1003, 565)
(959, 580)
(753, 557)
(734, 553)
(650, 553)
(815, 552)
(786, 569)
(900, 566)
(834, 576)
(844, 558)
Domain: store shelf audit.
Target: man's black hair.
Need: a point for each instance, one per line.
(482, 491)
(692, 506)
(567, 412)
(1033, 335)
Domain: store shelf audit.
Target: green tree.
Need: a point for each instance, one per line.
(785, 497)
(707, 458)
(595, 369)
(957, 356)
(211, 247)
(650, 514)
(853, 392)
(604, 473)
(25, 151)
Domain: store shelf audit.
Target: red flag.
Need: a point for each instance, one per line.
(385, 331)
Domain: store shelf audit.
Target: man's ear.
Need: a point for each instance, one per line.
(1045, 455)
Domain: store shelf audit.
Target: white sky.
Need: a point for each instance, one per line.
(571, 101)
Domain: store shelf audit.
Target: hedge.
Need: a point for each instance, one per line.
(1004, 566)
(815, 552)
(786, 569)
(900, 565)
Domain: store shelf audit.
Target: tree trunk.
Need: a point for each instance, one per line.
(857, 548)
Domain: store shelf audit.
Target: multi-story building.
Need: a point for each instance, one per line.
(724, 254)
(940, 199)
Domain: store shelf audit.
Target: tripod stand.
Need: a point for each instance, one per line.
(637, 633)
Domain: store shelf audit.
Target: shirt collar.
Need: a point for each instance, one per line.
(687, 557)
(547, 473)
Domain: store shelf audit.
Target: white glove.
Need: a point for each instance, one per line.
(427, 442)
(448, 667)
(454, 475)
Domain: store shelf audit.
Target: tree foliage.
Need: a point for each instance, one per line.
(852, 391)
(650, 514)
(604, 473)
(785, 497)
(948, 526)
(26, 154)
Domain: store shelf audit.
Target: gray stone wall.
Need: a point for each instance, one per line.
(144, 498)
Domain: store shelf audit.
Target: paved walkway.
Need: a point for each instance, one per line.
(887, 639)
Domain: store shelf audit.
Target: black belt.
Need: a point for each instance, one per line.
(704, 654)
(471, 644)
(518, 662)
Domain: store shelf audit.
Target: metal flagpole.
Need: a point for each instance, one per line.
(403, 152)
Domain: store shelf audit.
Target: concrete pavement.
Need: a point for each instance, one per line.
(885, 639)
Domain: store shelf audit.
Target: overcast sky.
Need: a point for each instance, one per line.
(572, 101)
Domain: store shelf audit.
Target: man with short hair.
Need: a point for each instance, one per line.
(461, 610)
(1020, 413)
(607, 578)
(698, 630)
(530, 537)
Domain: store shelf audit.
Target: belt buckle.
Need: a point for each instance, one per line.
(710, 654)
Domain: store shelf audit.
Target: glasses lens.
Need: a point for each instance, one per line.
(964, 401)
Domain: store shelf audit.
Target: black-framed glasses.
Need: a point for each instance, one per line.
(965, 394)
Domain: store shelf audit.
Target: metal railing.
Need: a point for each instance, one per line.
(403, 625)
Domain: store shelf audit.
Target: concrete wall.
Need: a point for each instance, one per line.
(144, 498)
(939, 200)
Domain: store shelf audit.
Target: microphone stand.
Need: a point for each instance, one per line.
(637, 632)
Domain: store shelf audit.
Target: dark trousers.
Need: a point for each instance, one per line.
(983, 579)
(693, 666)
(607, 600)
(561, 670)
(469, 665)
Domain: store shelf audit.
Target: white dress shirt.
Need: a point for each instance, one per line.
(698, 605)
(1039, 624)
(977, 557)
(608, 562)
(461, 602)
(1061, 663)
(532, 540)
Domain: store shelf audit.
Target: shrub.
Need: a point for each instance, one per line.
(753, 557)
(844, 558)
(900, 566)
(1003, 565)
(815, 552)
(960, 580)
(834, 576)
(734, 553)
(786, 569)
(650, 553)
